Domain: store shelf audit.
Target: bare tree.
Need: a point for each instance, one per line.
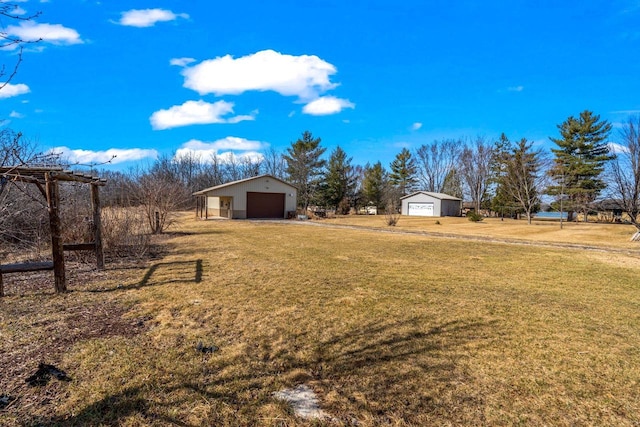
(10, 11)
(625, 172)
(476, 170)
(23, 210)
(250, 166)
(274, 163)
(215, 171)
(232, 168)
(161, 197)
(436, 161)
(520, 177)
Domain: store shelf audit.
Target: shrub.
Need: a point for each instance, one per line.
(474, 216)
(391, 214)
(125, 232)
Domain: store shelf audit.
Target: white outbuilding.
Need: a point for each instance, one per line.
(426, 203)
(263, 196)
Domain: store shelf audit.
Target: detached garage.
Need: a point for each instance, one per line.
(263, 196)
(425, 203)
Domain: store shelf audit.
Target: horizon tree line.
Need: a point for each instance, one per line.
(503, 176)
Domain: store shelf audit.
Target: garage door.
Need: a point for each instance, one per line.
(265, 205)
(421, 209)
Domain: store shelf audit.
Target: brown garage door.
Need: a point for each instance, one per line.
(265, 205)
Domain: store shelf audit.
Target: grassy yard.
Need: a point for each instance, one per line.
(387, 328)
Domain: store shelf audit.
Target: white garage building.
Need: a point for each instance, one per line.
(263, 196)
(425, 203)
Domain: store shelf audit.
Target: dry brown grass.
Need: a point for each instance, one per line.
(388, 329)
(593, 234)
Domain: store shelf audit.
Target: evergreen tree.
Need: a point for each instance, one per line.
(403, 172)
(374, 185)
(452, 184)
(501, 201)
(580, 160)
(339, 181)
(518, 175)
(304, 166)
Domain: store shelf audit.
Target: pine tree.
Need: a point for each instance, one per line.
(580, 160)
(374, 185)
(304, 166)
(403, 172)
(452, 184)
(518, 175)
(339, 182)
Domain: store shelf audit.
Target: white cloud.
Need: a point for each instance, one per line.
(18, 11)
(181, 62)
(148, 17)
(14, 90)
(229, 143)
(196, 113)
(305, 76)
(416, 126)
(52, 33)
(617, 148)
(221, 148)
(515, 88)
(327, 105)
(16, 115)
(114, 155)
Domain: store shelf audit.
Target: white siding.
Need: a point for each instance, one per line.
(265, 184)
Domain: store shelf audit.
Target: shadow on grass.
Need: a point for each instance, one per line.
(109, 411)
(177, 271)
(402, 369)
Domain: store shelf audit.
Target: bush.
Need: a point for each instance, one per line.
(474, 216)
(391, 214)
(125, 232)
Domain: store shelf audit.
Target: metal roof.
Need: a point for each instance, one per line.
(229, 184)
(440, 196)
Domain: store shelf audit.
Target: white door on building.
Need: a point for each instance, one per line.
(421, 209)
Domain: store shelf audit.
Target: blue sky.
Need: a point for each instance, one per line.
(147, 78)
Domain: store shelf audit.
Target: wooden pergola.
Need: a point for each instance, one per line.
(47, 180)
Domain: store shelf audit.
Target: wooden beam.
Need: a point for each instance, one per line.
(97, 225)
(57, 250)
(26, 267)
(22, 268)
(91, 246)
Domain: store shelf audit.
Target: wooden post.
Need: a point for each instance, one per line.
(97, 225)
(1, 286)
(57, 250)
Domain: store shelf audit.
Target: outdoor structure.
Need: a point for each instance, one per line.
(263, 196)
(424, 203)
(47, 179)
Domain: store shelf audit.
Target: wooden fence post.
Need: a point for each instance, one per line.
(57, 250)
(97, 226)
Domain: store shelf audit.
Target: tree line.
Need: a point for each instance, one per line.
(503, 176)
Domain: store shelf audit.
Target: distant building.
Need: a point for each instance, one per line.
(263, 196)
(425, 203)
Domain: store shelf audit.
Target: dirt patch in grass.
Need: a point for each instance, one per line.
(38, 326)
